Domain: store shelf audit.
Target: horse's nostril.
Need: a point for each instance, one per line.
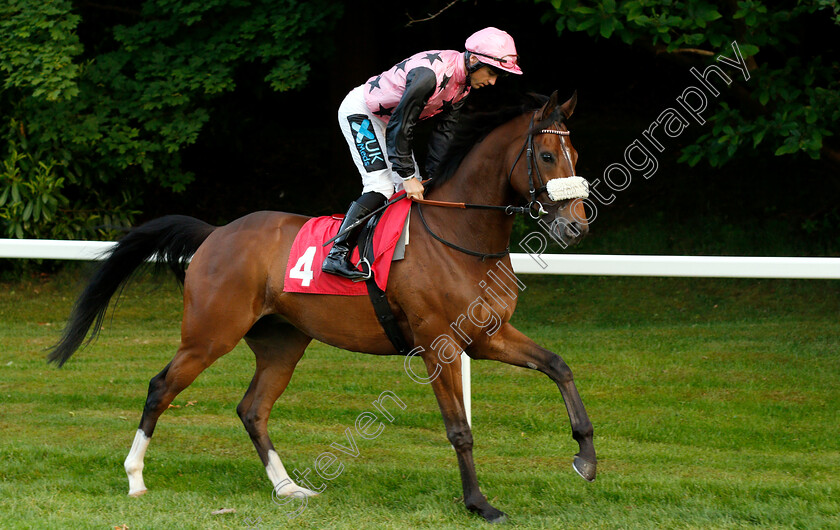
(572, 229)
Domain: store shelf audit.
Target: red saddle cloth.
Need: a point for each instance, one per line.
(303, 271)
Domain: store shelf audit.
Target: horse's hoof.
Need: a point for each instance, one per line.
(490, 514)
(293, 490)
(584, 468)
(494, 516)
(137, 493)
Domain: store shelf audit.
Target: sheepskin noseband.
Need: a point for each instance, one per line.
(561, 189)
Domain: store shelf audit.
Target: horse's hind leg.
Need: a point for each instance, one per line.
(510, 346)
(450, 397)
(206, 335)
(278, 348)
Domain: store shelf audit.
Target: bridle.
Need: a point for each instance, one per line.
(534, 192)
(534, 169)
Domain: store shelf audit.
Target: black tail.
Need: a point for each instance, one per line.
(170, 241)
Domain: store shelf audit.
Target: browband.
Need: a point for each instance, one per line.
(555, 131)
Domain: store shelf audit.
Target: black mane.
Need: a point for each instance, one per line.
(472, 128)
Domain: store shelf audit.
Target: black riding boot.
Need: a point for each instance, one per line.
(338, 260)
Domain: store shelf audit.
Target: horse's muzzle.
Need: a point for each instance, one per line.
(568, 233)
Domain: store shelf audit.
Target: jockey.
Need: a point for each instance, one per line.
(378, 119)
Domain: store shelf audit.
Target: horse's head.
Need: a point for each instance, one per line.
(548, 178)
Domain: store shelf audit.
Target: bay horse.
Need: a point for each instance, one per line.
(233, 289)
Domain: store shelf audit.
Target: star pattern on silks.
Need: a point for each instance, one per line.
(444, 81)
(384, 111)
(375, 83)
(432, 57)
(400, 66)
(447, 105)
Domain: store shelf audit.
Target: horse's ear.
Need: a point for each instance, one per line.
(568, 107)
(548, 108)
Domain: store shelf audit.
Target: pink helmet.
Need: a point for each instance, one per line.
(495, 48)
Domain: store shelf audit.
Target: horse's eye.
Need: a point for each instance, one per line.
(547, 157)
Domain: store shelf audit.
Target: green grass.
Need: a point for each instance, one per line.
(715, 405)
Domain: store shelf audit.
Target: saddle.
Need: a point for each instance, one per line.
(303, 269)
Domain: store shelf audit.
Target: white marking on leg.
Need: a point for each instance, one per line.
(280, 479)
(134, 464)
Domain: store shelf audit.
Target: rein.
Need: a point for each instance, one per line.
(481, 255)
(509, 209)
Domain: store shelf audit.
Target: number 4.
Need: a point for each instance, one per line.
(303, 268)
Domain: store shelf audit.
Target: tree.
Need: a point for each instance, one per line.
(86, 127)
(792, 101)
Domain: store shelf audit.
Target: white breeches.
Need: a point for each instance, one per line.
(365, 135)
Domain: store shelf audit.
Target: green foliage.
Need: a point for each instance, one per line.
(105, 121)
(33, 201)
(37, 46)
(792, 100)
(25, 204)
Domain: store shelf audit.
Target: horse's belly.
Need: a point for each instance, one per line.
(346, 322)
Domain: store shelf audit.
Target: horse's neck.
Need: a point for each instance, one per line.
(482, 178)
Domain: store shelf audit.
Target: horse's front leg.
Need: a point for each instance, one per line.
(510, 346)
(450, 397)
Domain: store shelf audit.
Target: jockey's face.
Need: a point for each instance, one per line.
(482, 77)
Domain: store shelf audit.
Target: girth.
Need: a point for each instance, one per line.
(377, 296)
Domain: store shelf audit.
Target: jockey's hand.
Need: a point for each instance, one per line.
(413, 188)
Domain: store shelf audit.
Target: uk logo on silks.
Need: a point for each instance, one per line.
(366, 143)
